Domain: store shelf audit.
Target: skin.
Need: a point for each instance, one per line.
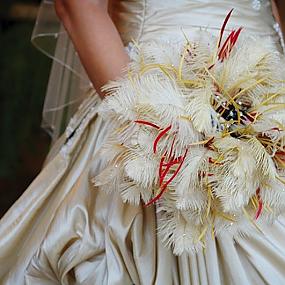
(95, 38)
(98, 42)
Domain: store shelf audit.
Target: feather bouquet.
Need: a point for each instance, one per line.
(198, 128)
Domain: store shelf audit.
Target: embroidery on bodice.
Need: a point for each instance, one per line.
(256, 5)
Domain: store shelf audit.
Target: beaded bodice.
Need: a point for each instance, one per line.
(144, 20)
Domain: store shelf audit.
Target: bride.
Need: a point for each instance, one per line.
(64, 230)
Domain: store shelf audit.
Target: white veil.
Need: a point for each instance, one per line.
(68, 82)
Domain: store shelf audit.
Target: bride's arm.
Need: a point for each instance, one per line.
(279, 11)
(95, 37)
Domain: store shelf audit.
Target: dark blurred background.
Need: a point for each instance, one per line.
(24, 74)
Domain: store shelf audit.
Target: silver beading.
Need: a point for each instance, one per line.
(256, 4)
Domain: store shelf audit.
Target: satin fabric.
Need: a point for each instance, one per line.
(63, 230)
(146, 20)
(68, 81)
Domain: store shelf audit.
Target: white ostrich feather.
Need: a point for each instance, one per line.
(238, 160)
(242, 227)
(105, 176)
(243, 61)
(188, 178)
(164, 97)
(145, 139)
(110, 150)
(188, 184)
(120, 102)
(273, 195)
(177, 232)
(234, 193)
(109, 179)
(264, 162)
(196, 201)
(132, 193)
(238, 177)
(142, 170)
(199, 108)
(185, 134)
(200, 134)
(158, 51)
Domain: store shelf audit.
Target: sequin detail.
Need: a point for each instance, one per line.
(256, 5)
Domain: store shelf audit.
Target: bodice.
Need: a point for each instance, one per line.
(144, 20)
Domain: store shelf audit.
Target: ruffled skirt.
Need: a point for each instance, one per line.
(63, 230)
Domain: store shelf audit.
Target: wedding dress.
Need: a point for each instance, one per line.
(63, 230)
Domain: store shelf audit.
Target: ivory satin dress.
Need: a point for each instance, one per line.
(63, 230)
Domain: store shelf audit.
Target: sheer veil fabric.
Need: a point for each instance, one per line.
(63, 230)
(68, 82)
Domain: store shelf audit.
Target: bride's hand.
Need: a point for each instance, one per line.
(95, 38)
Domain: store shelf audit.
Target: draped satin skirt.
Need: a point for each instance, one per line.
(63, 230)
